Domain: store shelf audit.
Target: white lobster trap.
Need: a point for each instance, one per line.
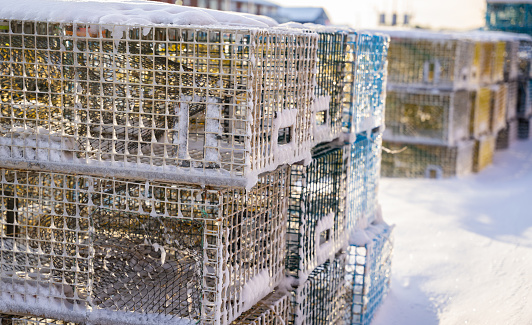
(499, 95)
(320, 300)
(364, 83)
(316, 217)
(211, 105)
(274, 309)
(368, 274)
(103, 250)
(427, 116)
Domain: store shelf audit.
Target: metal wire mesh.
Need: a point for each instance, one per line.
(316, 219)
(274, 309)
(499, 95)
(512, 98)
(328, 91)
(136, 249)
(425, 116)
(363, 176)
(368, 272)
(30, 320)
(524, 128)
(172, 100)
(480, 112)
(427, 161)
(321, 299)
(524, 102)
(483, 154)
(364, 84)
(507, 136)
(420, 61)
(511, 60)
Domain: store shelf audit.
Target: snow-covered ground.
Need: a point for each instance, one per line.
(463, 247)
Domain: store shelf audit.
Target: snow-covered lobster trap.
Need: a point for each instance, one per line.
(512, 100)
(524, 128)
(507, 135)
(328, 91)
(368, 272)
(364, 84)
(422, 58)
(483, 152)
(524, 95)
(169, 102)
(499, 95)
(426, 116)
(81, 248)
(363, 178)
(274, 309)
(320, 300)
(427, 161)
(316, 216)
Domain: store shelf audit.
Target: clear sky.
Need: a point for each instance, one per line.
(439, 14)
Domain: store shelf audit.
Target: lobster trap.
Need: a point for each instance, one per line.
(170, 103)
(274, 309)
(81, 248)
(499, 95)
(425, 116)
(524, 98)
(320, 300)
(30, 320)
(488, 61)
(368, 274)
(364, 83)
(481, 102)
(363, 178)
(524, 128)
(507, 136)
(316, 216)
(427, 161)
(328, 91)
(512, 99)
(422, 58)
(483, 153)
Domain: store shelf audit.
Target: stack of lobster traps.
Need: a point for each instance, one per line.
(161, 172)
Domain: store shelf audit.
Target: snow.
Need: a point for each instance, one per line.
(125, 12)
(463, 247)
(256, 288)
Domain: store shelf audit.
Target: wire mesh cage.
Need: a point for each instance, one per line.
(512, 99)
(274, 309)
(222, 102)
(485, 62)
(30, 320)
(320, 300)
(483, 154)
(524, 98)
(524, 128)
(427, 161)
(480, 111)
(79, 247)
(426, 116)
(316, 216)
(421, 59)
(509, 17)
(363, 177)
(368, 272)
(511, 60)
(507, 136)
(499, 96)
(364, 83)
(328, 91)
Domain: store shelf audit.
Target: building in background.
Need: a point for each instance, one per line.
(314, 15)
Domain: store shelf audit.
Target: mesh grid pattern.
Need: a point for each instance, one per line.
(321, 299)
(498, 109)
(30, 320)
(524, 98)
(368, 272)
(422, 116)
(483, 154)
(512, 98)
(274, 309)
(363, 176)
(507, 136)
(364, 82)
(316, 220)
(430, 161)
(480, 112)
(524, 128)
(427, 62)
(511, 61)
(172, 100)
(139, 248)
(331, 53)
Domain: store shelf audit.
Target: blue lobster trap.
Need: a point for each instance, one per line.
(363, 175)
(368, 270)
(364, 81)
(316, 216)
